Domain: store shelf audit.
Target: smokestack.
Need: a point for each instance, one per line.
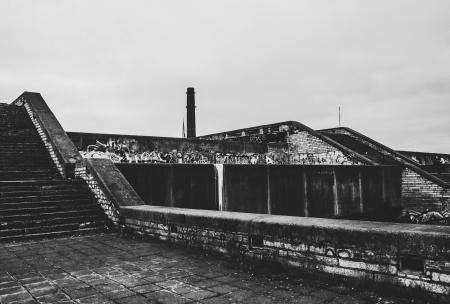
(190, 112)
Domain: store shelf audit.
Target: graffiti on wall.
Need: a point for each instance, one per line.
(130, 151)
(427, 217)
(325, 158)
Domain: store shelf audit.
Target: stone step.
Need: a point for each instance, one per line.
(35, 201)
(30, 174)
(56, 176)
(20, 209)
(33, 194)
(47, 197)
(40, 216)
(40, 184)
(63, 203)
(53, 228)
(52, 234)
(27, 167)
(98, 217)
(443, 176)
(40, 207)
(24, 167)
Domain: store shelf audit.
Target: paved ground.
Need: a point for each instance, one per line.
(107, 268)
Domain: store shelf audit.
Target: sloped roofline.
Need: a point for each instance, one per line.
(404, 160)
(303, 127)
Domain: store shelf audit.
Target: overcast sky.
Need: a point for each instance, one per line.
(123, 66)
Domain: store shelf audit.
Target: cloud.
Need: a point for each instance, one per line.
(123, 67)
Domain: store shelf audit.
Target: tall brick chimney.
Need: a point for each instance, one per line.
(190, 112)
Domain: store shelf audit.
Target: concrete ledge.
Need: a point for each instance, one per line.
(113, 183)
(415, 256)
(65, 150)
(168, 144)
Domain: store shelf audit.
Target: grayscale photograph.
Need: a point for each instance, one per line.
(219, 152)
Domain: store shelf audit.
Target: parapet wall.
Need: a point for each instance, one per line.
(427, 159)
(151, 149)
(320, 191)
(414, 256)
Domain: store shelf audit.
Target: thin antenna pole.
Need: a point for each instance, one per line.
(339, 116)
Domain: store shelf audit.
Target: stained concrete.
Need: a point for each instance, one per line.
(107, 268)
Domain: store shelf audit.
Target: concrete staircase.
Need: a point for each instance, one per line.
(363, 149)
(382, 154)
(35, 201)
(440, 171)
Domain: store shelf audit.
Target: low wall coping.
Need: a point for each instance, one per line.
(144, 212)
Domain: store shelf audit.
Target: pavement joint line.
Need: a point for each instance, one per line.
(126, 266)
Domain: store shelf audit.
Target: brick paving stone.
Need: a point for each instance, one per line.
(134, 299)
(142, 289)
(167, 297)
(82, 292)
(54, 298)
(223, 288)
(108, 268)
(19, 296)
(119, 294)
(95, 299)
(185, 288)
(206, 283)
(200, 295)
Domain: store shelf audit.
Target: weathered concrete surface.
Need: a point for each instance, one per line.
(167, 144)
(113, 183)
(64, 148)
(111, 269)
(175, 185)
(406, 255)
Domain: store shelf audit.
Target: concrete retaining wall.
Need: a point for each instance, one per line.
(415, 256)
(319, 191)
(184, 186)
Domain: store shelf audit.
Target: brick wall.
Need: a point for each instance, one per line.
(81, 171)
(363, 250)
(420, 194)
(304, 148)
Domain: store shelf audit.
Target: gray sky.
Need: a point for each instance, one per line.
(123, 66)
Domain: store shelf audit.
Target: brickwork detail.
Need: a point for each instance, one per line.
(294, 251)
(307, 149)
(43, 137)
(420, 194)
(81, 171)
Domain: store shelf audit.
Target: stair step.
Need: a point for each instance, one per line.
(99, 217)
(63, 203)
(53, 228)
(45, 196)
(27, 183)
(35, 201)
(52, 234)
(28, 217)
(37, 210)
